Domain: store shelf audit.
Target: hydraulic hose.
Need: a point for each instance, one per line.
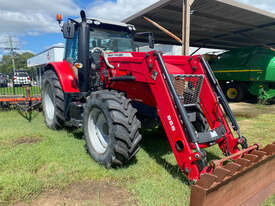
(103, 54)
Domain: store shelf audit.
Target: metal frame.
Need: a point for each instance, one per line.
(210, 37)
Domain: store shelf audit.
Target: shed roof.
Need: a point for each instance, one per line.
(222, 24)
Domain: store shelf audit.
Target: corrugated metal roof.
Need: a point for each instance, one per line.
(222, 24)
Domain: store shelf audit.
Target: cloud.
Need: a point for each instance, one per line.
(33, 16)
(19, 23)
(50, 7)
(263, 4)
(117, 10)
(4, 41)
(5, 45)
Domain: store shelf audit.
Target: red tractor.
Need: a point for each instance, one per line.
(104, 86)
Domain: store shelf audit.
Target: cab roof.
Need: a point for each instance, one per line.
(104, 21)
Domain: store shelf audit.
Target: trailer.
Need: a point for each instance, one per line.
(54, 53)
(40, 60)
(244, 72)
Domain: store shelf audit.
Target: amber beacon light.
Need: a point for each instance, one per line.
(58, 17)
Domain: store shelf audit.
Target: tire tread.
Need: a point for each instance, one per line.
(125, 126)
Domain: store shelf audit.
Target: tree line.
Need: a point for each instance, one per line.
(6, 66)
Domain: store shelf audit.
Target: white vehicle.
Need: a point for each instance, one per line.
(21, 78)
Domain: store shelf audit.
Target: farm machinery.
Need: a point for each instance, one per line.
(244, 71)
(104, 86)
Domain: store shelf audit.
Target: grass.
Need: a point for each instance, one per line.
(35, 160)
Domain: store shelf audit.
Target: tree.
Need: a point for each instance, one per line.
(20, 62)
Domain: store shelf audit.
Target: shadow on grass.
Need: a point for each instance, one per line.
(76, 132)
(156, 144)
(28, 112)
(30, 115)
(79, 135)
(251, 100)
(211, 156)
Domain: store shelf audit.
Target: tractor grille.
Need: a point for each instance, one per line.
(188, 87)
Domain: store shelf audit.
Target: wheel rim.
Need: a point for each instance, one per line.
(48, 102)
(98, 130)
(232, 93)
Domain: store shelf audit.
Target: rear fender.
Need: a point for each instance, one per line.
(65, 75)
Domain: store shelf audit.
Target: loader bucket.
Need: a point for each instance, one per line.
(248, 180)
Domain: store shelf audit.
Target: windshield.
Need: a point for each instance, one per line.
(21, 74)
(111, 41)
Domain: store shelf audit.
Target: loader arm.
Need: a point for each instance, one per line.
(159, 82)
(154, 85)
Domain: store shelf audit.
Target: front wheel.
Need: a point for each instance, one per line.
(111, 128)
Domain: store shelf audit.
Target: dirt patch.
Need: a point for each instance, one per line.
(248, 110)
(27, 140)
(85, 194)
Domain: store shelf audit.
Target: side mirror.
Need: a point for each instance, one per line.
(68, 30)
(151, 39)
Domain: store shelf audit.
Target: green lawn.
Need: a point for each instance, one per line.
(37, 163)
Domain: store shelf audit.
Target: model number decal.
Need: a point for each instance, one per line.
(171, 123)
(120, 55)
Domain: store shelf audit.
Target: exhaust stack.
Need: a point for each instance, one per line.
(83, 55)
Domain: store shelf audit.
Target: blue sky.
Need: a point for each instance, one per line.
(32, 22)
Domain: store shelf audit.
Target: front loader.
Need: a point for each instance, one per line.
(104, 86)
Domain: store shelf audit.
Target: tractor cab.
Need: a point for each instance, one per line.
(111, 37)
(107, 35)
(88, 38)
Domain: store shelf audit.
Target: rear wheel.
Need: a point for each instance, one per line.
(111, 128)
(52, 101)
(234, 92)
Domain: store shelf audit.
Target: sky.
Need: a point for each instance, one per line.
(33, 27)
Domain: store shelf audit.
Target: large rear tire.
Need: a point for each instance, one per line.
(234, 92)
(111, 128)
(52, 101)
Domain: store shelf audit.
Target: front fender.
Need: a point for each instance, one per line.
(66, 77)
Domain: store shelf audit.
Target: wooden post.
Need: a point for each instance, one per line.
(186, 26)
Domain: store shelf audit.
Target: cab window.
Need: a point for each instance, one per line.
(71, 49)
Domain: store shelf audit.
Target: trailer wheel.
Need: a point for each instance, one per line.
(111, 128)
(52, 101)
(234, 92)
